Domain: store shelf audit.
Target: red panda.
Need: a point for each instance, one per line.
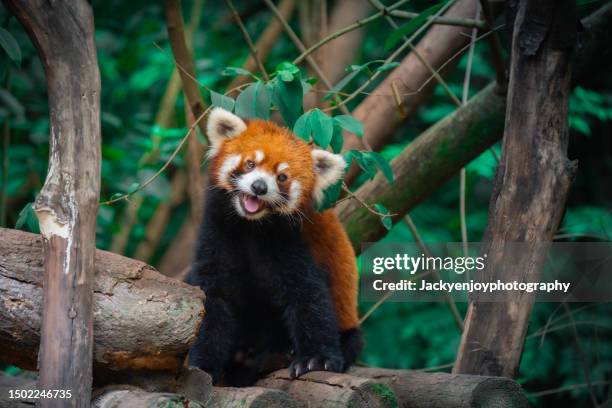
(278, 275)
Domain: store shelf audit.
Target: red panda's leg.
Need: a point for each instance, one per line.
(212, 349)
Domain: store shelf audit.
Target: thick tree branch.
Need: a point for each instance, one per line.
(380, 114)
(184, 61)
(439, 153)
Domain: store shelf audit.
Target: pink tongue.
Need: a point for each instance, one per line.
(251, 204)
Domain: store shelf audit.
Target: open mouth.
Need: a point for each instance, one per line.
(251, 204)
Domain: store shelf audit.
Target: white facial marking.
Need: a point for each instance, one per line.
(227, 167)
(329, 168)
(259, 156)
(282, 166)
(245, 181)
(294, 195)
(223, 124)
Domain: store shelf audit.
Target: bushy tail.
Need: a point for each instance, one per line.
(351, 341)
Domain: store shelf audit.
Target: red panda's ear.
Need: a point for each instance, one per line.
(329, 168)
(223, 124)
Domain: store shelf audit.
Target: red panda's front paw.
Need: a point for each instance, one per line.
(303, 365)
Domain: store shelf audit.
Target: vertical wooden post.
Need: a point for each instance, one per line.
(63, 33)
(531, 184)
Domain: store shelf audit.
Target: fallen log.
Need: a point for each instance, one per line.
(250, 397)
(136, 398)
(142, 319)
(417, 389)
(326, 389)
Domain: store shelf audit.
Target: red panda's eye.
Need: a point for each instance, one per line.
(250, 164)
(281, 177)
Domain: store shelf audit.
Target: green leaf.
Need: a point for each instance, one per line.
(383, 165)
(322, 128)
(387, 67)
(341, 84)
(115, 196)
(133, 187)
(287, 68)
(330, 196)
(235, 71)
(254, 102)
(222, 101)
(337, 139)
(365, 161)
(27, 218)
(12, 103)
(410, 27)
(385, 220)
(302, 127)
(288, 98)
(350, 124)
(10, 46)
(579, 124)
(263, 99)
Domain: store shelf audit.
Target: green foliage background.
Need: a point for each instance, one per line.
(134, 74)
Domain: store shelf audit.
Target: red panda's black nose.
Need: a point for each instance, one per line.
(259, 187)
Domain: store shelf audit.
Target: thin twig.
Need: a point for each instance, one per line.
(568, 388)
(357, 24)
(390, 59)
(367, 206)
(585, 368)
(462, 22)
(391, 10)
(388, 294)
(378, 5)
(462, 173)
(248, 39)
(302, 48)
(449, 300)
(171, 158)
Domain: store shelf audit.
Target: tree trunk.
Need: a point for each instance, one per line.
(66, 207)
(482, 117)
(531, 185)
(415, 389)
(325, 389)
(130, 300)
(380, 114)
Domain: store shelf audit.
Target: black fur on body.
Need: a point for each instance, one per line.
(264, 294)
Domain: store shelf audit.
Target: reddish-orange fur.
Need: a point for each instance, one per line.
(322, 231)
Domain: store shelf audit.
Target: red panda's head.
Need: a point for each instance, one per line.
(266, 168)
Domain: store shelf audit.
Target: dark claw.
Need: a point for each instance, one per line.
(304, 365)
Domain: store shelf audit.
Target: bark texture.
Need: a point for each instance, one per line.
(63, 33)
(325, 389)
(142, 320)
(379, 112)
(184, 62)
(250, 397)
(531, 185)
(416, 389)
